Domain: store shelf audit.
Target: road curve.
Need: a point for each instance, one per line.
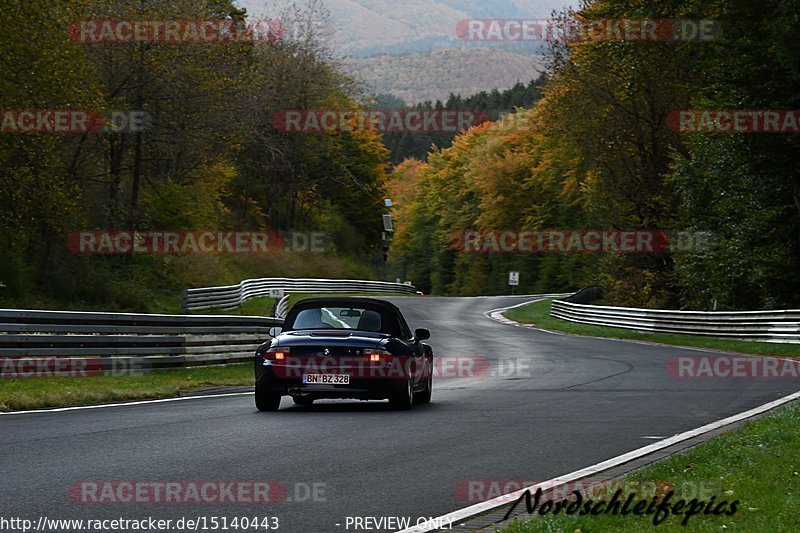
(583, 400)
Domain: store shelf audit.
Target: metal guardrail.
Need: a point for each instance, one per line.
(135, 342)
(147, 341)
(282, 307)
(767, 326)
(232, 296)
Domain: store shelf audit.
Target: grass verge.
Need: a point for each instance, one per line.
(538, 314)
(251, 307)
(19, 394)
(757, 464)
(264, 306)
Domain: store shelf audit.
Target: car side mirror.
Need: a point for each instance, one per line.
(422, 334)
(274, 331)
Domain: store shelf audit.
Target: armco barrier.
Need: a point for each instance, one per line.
(232, 296)
(151, 341)
(767, 326)
(282, 307)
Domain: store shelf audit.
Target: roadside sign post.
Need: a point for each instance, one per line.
(276, 293)
(387, 223)
(513, 281)
(388, 228)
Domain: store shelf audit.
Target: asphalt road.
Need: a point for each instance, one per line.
(556, 404)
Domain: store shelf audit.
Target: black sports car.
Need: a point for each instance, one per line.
(344, 347)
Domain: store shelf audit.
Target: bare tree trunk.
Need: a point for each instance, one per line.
(116, 150)
(137, 176)
(796, 186)
(137, 153)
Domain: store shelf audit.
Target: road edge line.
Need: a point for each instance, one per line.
(488, 505)
(497, 316)
(123, 404)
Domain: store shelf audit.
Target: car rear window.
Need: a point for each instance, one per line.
(326, 317)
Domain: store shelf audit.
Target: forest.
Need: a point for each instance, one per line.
(181, 138)
(205, 157)
(599, 151)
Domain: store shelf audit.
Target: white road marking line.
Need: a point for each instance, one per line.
(488, 505)
(125, 404)
(142, 402)
(497, 315)
(336, 319)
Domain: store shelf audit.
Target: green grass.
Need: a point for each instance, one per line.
(758, 464)
(252, 307)
(263, 306)
(36, 393)
(155, 283)
(539, 314)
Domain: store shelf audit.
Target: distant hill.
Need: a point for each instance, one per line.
(369, 27)
(409, 48)
(433, 76)
(490, 105)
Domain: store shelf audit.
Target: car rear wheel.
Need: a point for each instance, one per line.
(403, 398)
(425, 395)
(266, 400)
(300, 400)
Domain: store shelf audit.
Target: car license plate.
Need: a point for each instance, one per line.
(326, 379)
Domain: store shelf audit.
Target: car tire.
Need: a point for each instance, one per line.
(299, 400)
(266, 400)
(403, 398)
(425, 395)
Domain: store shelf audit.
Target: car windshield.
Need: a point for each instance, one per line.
(358, 318)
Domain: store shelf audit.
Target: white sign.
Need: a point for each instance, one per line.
(513, 278)
(276, 293)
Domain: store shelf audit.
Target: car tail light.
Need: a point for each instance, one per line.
(376, 356)
(277, 354)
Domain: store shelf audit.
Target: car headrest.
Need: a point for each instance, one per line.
(370, 321)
